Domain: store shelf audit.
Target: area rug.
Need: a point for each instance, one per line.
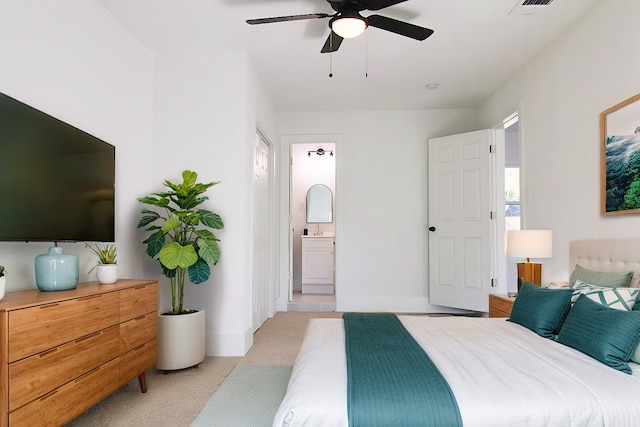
(249, 396)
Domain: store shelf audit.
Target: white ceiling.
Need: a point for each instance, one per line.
(476, 47)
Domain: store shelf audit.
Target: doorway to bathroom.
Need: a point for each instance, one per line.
(312, 226)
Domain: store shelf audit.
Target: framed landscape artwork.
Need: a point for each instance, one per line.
(620, 158)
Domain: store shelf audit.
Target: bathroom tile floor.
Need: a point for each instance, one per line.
(312, 302)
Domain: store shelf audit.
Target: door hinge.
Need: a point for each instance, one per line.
(494, 283)
(492, 214)
(492, 148)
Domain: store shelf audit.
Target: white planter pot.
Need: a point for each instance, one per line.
(181, 340)
(3, 286)
(107, 273)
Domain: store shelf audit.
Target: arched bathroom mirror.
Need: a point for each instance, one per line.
(319, 204)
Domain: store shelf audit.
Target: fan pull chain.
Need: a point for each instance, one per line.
(330, 64)
(331, 54)
(366, 55)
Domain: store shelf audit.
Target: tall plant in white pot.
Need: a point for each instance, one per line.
(182, 241)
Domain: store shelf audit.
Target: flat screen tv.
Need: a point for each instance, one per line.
(56, 181)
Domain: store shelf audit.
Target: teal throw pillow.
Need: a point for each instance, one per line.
(608, 279)
(541, 309)
(604, 333)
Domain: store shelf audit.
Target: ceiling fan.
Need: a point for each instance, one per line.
(348, 23)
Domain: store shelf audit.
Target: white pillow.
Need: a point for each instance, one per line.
(618, 298)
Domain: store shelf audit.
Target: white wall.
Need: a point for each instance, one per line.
(205, 119)
(381, 201)
(591, 67)
(164, 113)
(76, 62)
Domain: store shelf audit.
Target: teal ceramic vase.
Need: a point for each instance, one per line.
(56, 271)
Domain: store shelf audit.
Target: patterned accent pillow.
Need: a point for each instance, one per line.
(580, 287)
(618, 298)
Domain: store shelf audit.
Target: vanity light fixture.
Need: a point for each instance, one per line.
(319, 152)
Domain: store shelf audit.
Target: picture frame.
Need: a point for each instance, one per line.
(620, 158)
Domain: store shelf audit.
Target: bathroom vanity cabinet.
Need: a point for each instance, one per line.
(318, 264)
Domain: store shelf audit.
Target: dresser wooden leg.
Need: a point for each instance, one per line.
(142, 379)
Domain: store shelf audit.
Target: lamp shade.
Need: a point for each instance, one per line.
(348, 27)
(530, 243)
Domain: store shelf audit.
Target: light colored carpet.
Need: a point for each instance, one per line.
(249, 397)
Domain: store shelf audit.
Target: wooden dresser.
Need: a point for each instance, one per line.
(500, 305)
(62, 352)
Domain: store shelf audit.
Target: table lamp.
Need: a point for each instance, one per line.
(529, 244)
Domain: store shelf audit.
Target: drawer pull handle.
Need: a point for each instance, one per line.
(46, 353)
(140, 317)
(89, 297)
(48, 395)
(140, 287)
(95, 334)
(55, 304)
(87, 374)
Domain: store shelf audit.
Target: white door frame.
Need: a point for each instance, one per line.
(503, 276)
(284, 217)
(268, 292)
(499, 263)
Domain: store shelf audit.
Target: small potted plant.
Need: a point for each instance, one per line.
(3, 281)
(106, 268)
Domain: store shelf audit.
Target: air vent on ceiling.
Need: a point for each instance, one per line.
(529, 7)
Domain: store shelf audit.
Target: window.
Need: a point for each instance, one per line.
(512, 198)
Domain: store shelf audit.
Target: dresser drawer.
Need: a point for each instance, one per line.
(135, 302)
(137, 361)
(70, 400)
(37, 375)
(36, 329)
(137, 331)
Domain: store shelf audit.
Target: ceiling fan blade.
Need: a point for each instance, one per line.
(287, 18)
(399, 27)
(332, 44)
(380, 4)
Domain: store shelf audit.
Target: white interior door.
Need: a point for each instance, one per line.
(460, 203)
(261, 233)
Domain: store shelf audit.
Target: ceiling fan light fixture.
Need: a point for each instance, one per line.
(348, 27)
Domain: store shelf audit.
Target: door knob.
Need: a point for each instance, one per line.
(432, 228)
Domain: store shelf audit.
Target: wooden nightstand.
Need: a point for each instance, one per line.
(500, 305)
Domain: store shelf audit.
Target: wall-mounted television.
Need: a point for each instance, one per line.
(56, 181)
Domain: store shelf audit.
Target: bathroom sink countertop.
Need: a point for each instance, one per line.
(323, 234)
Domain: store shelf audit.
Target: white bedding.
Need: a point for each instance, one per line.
(501, 373)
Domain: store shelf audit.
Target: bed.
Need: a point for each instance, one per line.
(501, 373)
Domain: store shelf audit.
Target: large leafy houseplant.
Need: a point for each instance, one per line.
(181, 239)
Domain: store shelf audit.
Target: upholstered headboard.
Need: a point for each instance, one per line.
(621, 254)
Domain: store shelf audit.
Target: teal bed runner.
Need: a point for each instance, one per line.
(391, 381)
